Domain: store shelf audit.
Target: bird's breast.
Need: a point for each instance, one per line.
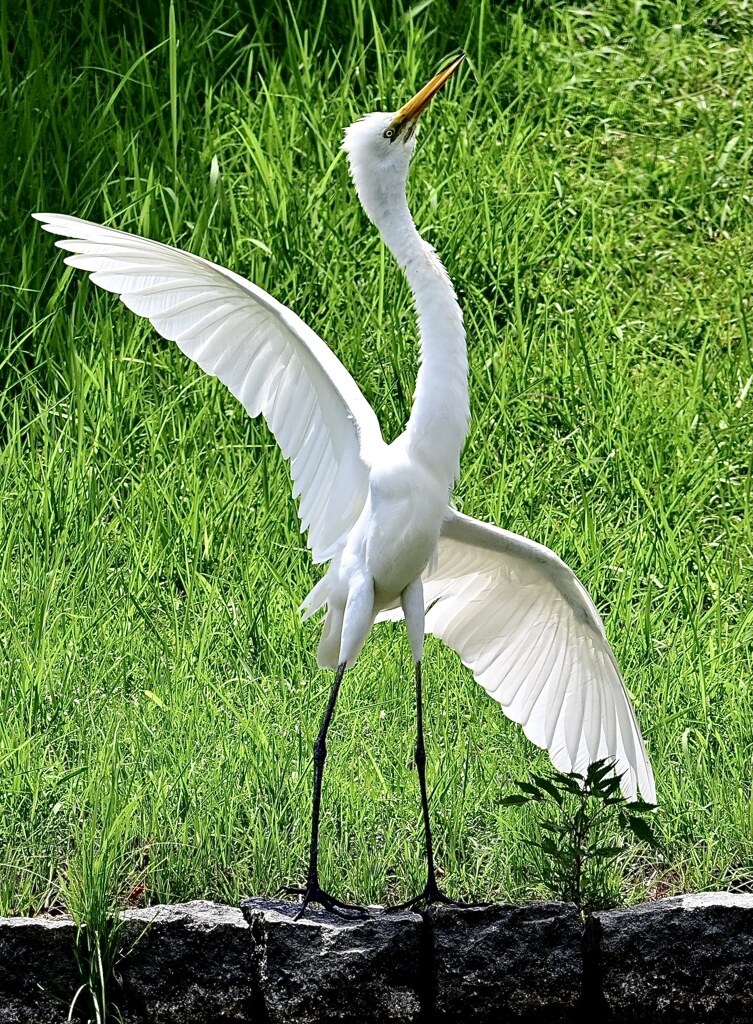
(404, 516)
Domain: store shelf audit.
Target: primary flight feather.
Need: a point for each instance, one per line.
(380, 514)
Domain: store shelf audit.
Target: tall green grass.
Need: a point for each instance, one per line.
(587, 181)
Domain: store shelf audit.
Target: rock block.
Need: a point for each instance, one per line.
(38, 972)
(501, 963)
(186, 963)
(685, 959)
(324, 968)
(688, 959)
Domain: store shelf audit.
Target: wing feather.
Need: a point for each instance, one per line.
(523, 623)
(265, 354)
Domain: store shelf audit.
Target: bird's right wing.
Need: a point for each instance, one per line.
(265, 354)
(523, 623)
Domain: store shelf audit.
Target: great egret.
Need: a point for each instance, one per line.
(378, 513)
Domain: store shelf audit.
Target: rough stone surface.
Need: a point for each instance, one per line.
(38, 973)
(326, 969)
(686, 959)
(507, 963)
(186, 963)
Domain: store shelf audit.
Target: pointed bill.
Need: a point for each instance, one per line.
(415, 107)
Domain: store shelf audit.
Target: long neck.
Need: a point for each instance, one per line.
(438, 422)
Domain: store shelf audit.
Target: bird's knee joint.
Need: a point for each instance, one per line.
(320, 751)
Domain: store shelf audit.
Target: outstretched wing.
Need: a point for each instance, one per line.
(265, 354)
(523, 623)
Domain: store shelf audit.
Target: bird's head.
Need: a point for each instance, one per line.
(380, 146)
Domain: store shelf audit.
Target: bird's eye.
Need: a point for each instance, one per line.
(389, 133)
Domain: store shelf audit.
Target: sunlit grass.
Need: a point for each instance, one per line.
(587, 183)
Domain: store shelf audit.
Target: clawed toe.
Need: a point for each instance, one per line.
(313, 894)
(430, 895)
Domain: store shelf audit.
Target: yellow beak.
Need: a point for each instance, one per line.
(415, 107)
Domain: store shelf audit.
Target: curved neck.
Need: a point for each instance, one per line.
(438, 421)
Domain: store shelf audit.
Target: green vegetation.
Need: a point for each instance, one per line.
(587, 180)
(574, 851)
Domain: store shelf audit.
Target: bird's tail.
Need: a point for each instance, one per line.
(328, 652)
(329, 645)
(315, 599)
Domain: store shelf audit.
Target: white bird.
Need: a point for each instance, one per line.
(378, 513)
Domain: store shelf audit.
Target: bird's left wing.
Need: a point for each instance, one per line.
(265, 354)
(523, 623)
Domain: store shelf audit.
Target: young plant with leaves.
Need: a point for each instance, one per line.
(578, 845)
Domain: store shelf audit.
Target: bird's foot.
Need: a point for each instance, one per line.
(430, 895)
(311, 893)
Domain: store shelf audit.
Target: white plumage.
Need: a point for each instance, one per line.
(523, 623)
(380, 514)
(265, 354)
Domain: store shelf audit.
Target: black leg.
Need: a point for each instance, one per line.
(320, 755)
(432, 893)
(421, 766)
(312, 893)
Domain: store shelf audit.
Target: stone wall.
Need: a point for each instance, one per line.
(687, 959)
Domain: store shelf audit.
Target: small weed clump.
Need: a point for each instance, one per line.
(578, 846)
